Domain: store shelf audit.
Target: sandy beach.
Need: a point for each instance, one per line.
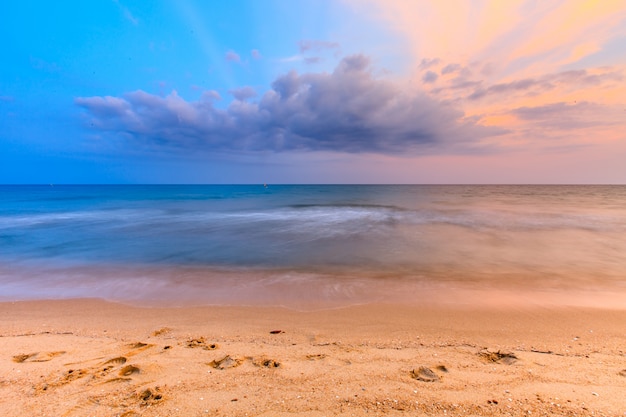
(95, 358)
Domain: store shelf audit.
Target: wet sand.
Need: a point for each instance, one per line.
(95, 358)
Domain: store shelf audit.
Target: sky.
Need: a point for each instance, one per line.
(313, 91)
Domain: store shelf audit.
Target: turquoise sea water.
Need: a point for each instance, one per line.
(242, 243)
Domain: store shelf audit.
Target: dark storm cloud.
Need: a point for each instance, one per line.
(347, 110)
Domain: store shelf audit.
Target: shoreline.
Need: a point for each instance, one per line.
(92, 357)
(303, 291)
(431, 298)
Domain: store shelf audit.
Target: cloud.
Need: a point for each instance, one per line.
(504, 88)
(211, 95)
(544, 72)
(430, 77)
(578, 78)
(565, 35)
(292, 58)
(311, 45)
(232, 56)
(571, 116)
(428, 63)
(308, 46)
(312, 60)
(528, 37)
(348, 110)
(450, 68)
(243, 93)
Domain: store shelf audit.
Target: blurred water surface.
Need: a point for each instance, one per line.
(58, 241)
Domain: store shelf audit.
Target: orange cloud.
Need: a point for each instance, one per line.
(552, 33)
(491, 57)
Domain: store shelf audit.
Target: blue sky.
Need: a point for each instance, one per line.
(310, 91)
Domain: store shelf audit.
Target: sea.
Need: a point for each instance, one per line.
(314, 245)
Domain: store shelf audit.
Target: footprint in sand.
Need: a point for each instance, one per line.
(622, 372)
(200, 342)
(37, 356)
(118, 379)
(96, 373)
(507, 358)
(23, 357)
(225, 362)
(150, 396)
(316, 357)
(72, 375)
(65, 378)
(266, 363)
(442, 368)
(139, 346)
(424, 374)
(161, 331)
(124, 374)
(120, 360)
(106, 367)
(128, 370)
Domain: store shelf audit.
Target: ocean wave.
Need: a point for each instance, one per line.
(328, 220)
(525, 221)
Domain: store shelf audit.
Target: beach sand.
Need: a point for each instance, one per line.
(96, 358)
